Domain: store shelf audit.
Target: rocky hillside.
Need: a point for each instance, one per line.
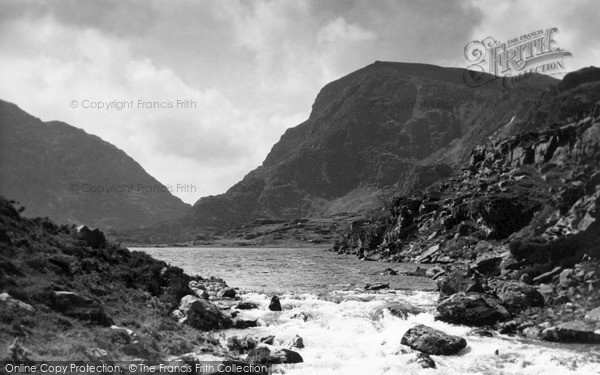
(68, 294)
(520, 224)
(55, 170)
(388, 126)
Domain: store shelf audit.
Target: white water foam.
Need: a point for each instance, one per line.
(352, 333)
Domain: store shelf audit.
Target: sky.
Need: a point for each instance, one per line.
(252, 68)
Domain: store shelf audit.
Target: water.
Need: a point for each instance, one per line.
(350, 331)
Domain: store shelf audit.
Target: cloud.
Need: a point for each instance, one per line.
(253, 68)
(339, 31)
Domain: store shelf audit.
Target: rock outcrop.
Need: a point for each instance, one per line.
(518, 227)
(77, 306)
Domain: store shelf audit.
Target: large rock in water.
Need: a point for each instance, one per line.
(518, 296)
(432, 341)
(275, 305)
(575, 331)
(474, 309)
(77, 306)
(201, 314)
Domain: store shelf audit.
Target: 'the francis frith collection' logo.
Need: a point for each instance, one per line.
(515, 60)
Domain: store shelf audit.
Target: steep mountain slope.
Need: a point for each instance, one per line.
(62, 172)
(519, 228)
(388, 126)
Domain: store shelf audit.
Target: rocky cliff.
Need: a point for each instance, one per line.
(62, 172)
(519, 224)
(388, 126)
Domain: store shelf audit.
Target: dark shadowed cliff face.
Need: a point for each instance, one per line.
(51, 168)
(388, 125)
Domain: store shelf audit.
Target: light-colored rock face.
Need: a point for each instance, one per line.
(432, 341)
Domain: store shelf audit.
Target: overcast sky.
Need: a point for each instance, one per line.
(253, 67)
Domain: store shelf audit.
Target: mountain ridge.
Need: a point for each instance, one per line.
(373, 127)
(48, 166)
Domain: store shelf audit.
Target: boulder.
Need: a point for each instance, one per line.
(201, 314)
(377, 286)
(488, 265)
(481, 331)
(6, 299)
(547, 291)
(574, 331)
(432, 341)
(79, 307)
(459, 280)
(532, 332)
(93, 238)
(241, 345)
(295, 342)
(427, 254)
(245, 305)
(474, 309)
(264, 355)
(518, 296)
(435, 272)
(275, 305)
(200, 293)
(567, 278)
(593, 315)
(122, 335)
(226, 293)
(285, 356)
(402, 309)
(259, 355)
(269, 340)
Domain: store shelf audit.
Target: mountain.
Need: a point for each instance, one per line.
(386, 127)
(518, 227)
(62, 172)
